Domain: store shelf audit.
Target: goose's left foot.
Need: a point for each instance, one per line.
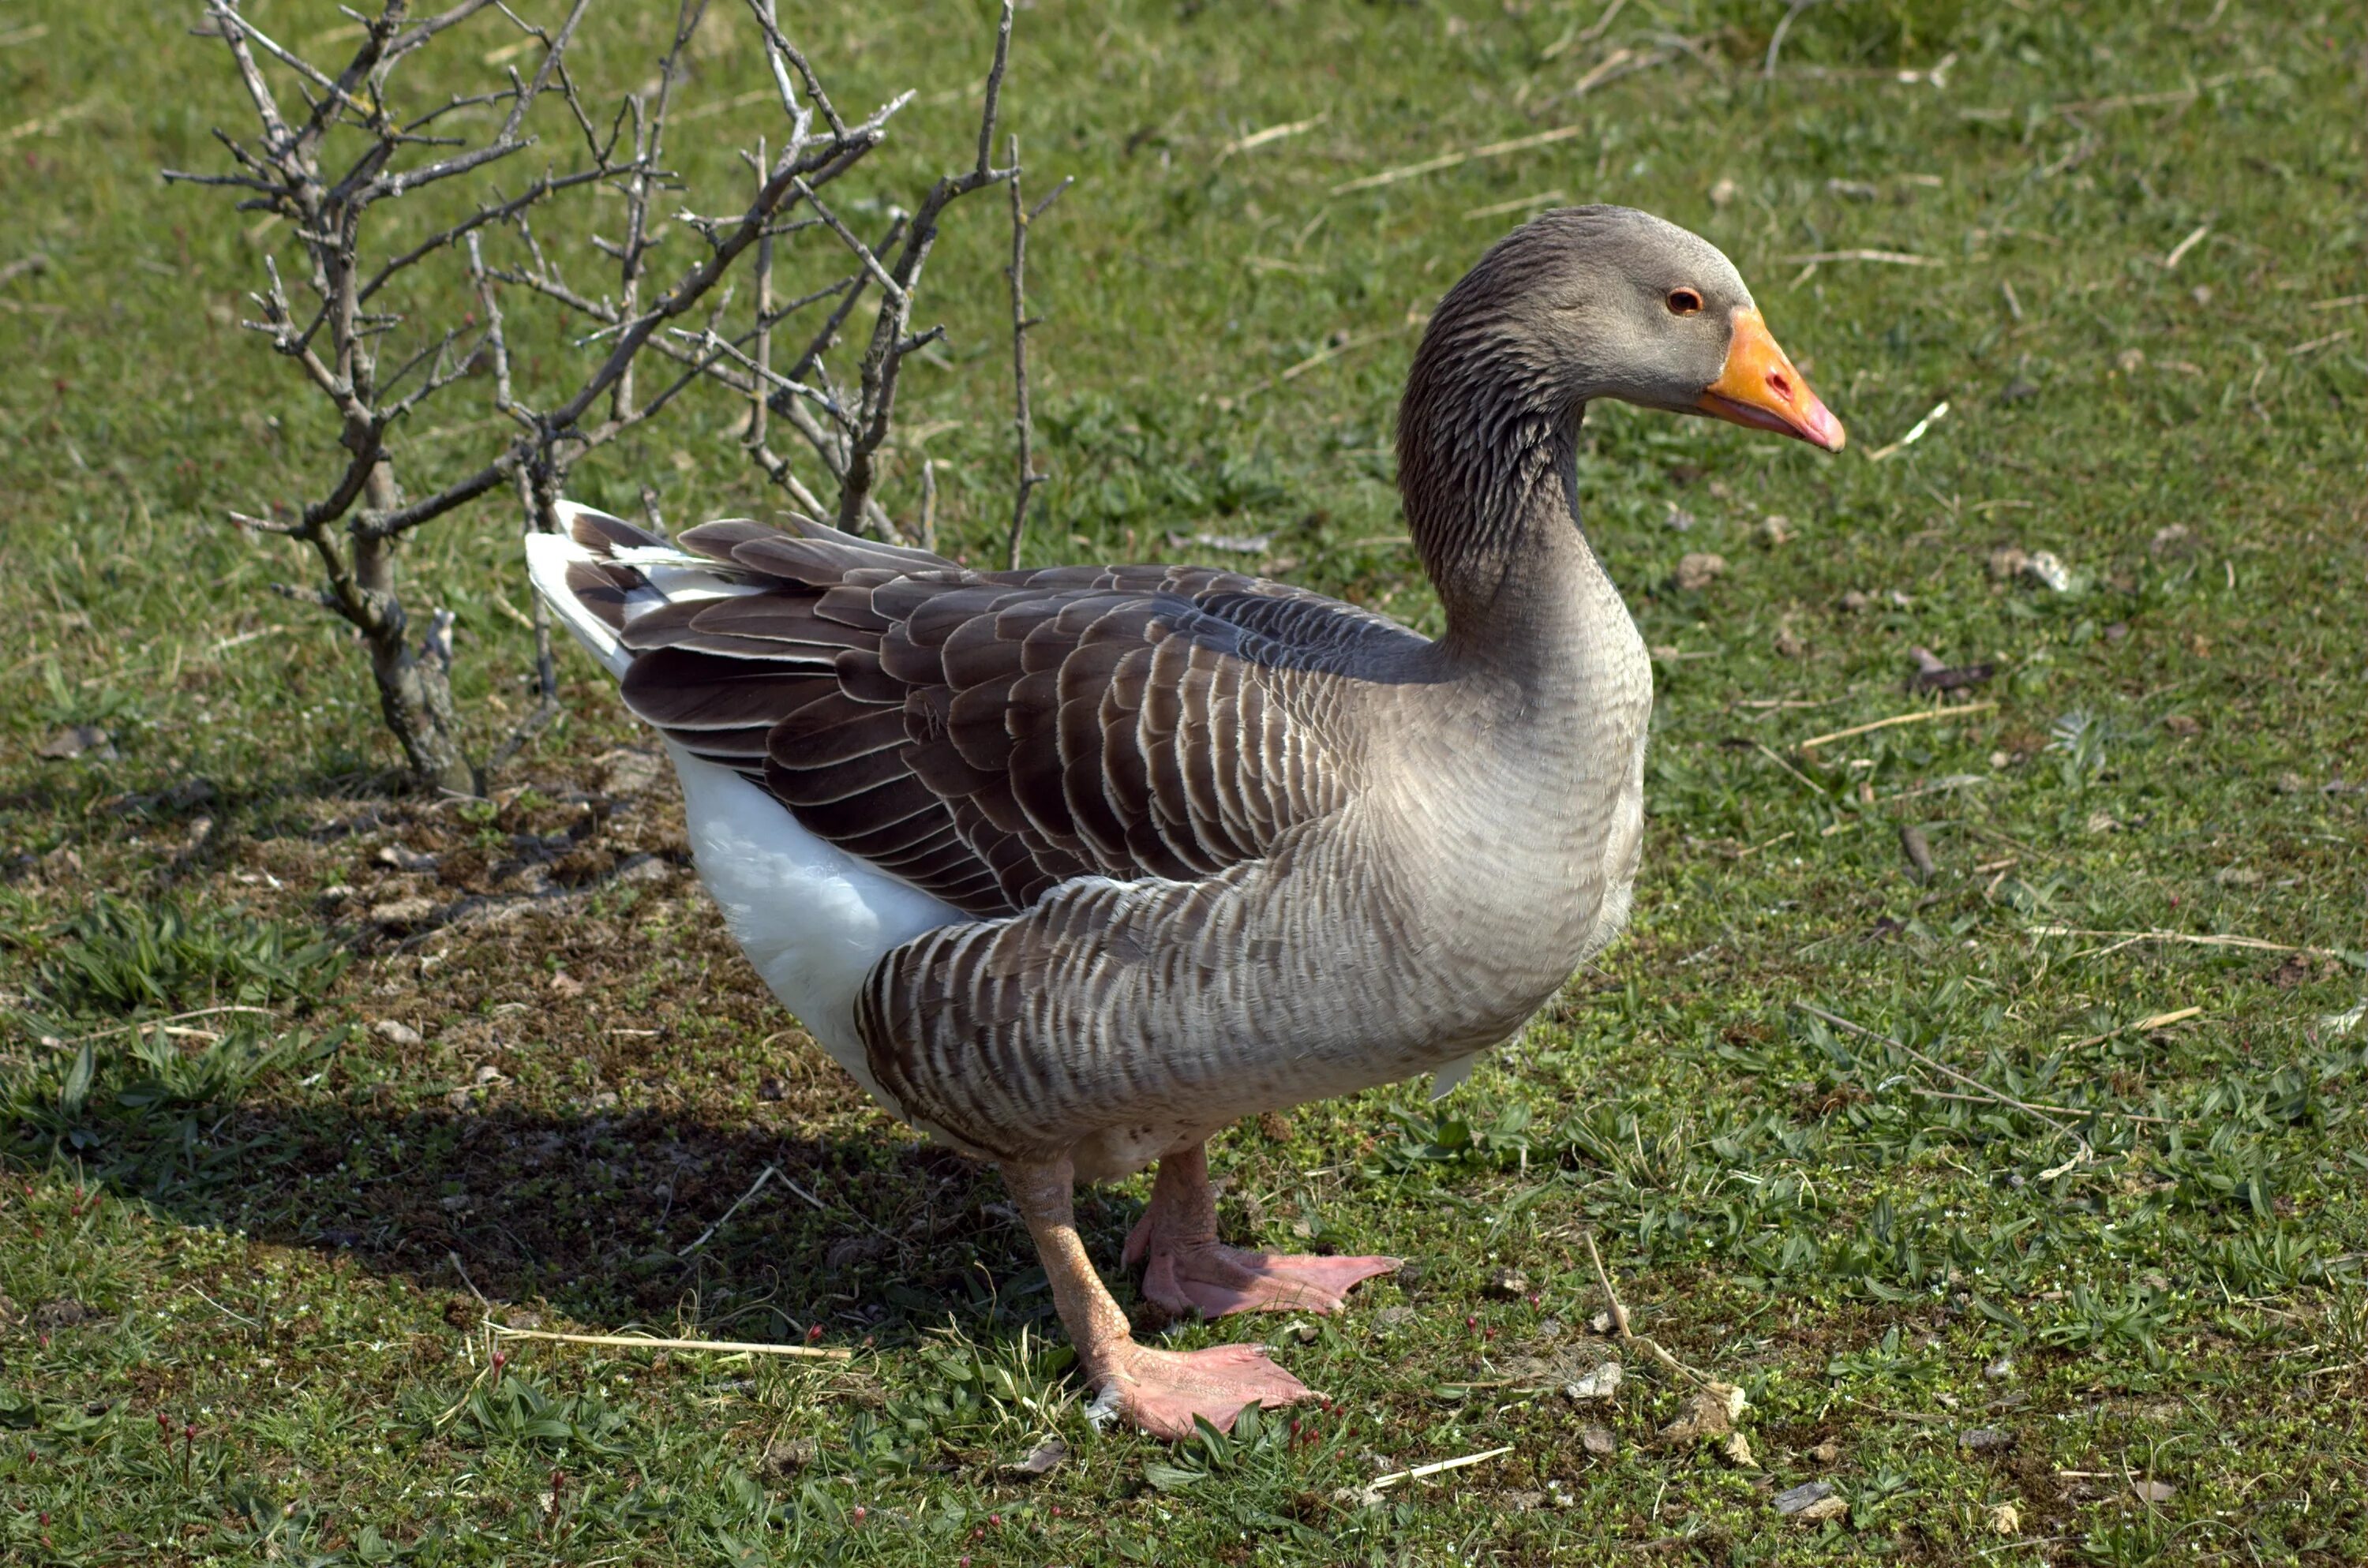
(1186, 1268)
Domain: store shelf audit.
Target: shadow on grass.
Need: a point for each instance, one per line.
(610, 1220)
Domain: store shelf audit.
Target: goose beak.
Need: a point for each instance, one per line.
(1759, 387)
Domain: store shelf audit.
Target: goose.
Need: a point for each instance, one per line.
(1072, 867)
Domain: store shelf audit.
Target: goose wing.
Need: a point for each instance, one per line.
(989, 735)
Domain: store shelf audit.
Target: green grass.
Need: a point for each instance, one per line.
(238, 1263)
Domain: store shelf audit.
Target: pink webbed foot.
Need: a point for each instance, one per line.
(1212, 1278)
(1162, 1391)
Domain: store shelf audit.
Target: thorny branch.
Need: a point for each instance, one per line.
(353, 316)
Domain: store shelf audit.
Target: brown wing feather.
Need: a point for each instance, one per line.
(988, 736)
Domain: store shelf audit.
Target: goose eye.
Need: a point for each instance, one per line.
(1684, 303)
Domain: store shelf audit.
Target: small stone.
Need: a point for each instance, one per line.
(2238, 877)
(1788, 644)
(1985, 1440)
(402, 913)
(1699, 569)
(489, 1074)
(402, 858)
(1598, 1386)
(2005, 1518)
(397, 1034)
(1793, 1499)
(1394, 1317)
(86, 741)
(1598, 1441)
(1857, 602)
(796, 1455)
(1599, 1323)
(2007, 561)
(2047, 569)
(2152, 1490)
(1775, 529)
(1827, 1452)
(2183, 725)
(1823, 1509)
(1736, 1452)
(458, 1202)
(1509, 1284)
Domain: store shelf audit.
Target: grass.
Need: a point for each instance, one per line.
(241, 1249)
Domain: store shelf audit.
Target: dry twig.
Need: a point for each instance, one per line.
(1924, 716)
(637, 1342)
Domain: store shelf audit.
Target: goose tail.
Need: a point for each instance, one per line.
(598, 572)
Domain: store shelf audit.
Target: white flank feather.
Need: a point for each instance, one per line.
(812, 918)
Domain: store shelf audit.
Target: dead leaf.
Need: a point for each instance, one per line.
(2006, 1519)
(1824, 1508)
(1736, 1452)
(2153, 1490)
(1042, 1459)
(1707, 1415)
(1699, 569)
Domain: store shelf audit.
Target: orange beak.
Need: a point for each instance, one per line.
(1759, 387)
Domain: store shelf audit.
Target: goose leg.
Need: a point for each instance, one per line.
(1159, 1390)
(1186, 1268)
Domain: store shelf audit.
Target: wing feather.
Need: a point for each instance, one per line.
(989, 736)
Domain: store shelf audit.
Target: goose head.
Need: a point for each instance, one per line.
(1590, 303)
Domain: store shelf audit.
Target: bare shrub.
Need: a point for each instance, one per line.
(394, 301)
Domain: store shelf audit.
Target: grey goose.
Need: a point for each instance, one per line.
(1071, 867)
